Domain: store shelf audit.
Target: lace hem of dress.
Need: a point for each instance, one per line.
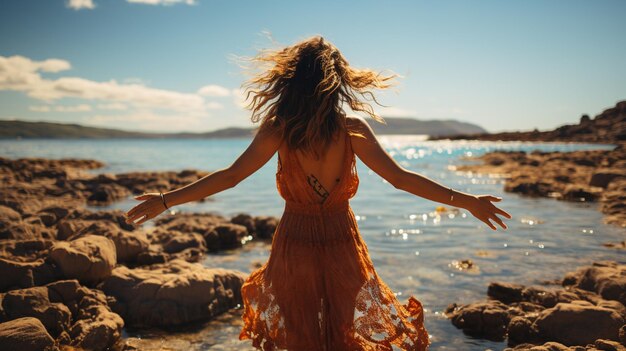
(380, 322)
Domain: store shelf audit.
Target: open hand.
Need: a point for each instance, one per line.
(483, 209)
(148, 209)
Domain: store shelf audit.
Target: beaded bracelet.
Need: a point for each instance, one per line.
(163, 199)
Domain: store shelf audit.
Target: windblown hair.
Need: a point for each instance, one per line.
(301, 91)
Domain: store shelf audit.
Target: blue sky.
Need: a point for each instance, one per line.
(167, 65)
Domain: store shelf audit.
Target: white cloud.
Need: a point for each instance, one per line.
(80, 4)
(42, 108)
(22, 74)
(61, 108)
(162, 2)
(214, 90)
(152, 105)
(112, 106)
(239, 98)
(394, 112)
(212, 105)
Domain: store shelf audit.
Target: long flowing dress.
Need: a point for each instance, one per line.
(318, 290)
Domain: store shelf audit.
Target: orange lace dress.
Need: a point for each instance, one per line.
(318, 291)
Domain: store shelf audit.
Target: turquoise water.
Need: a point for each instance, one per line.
(413, 248)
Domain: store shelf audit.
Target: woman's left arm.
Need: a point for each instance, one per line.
(261, 149)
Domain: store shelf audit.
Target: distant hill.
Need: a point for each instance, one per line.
(607, 127)
(29, 130)
(430, 127)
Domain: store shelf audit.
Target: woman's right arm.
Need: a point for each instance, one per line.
(375, 157)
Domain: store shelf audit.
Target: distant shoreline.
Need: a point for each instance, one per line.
(15, 129)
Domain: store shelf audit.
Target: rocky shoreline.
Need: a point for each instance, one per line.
(585, 312)
(75, 278)
(592, 176)
(608, 127)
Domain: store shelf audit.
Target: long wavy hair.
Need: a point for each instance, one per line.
(301, 91)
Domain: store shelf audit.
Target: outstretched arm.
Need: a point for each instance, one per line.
(375, 157)
(260, 150)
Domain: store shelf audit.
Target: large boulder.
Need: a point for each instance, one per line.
(173, 293)
(606, 278)
(578, 323)
(90, 259)
(25, 334)
(23, 264)
(71, 314)
(586, 310)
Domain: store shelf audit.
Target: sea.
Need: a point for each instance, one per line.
(416, 249)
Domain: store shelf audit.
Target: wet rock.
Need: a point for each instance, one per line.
(25, 334)
(265, 226)
(595, 175)
(173, 293)
(225, 236)
(602, 177)
(245, 220)
(128, 244)
(505, 292)
(90, 259)
(71, 314)
(578, 324)
(489, 319)
(586, 309)
(23, 264)
(606, 278)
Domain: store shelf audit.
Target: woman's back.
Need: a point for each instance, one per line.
(325, 173)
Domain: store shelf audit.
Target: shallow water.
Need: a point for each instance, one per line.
(413, 247)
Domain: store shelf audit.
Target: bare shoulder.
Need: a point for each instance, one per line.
(359, 125)
(269, 131)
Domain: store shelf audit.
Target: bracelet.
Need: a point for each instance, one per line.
(451, 194)
(163, 199)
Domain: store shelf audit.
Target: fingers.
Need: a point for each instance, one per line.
(133, 211)
(144, 219)
(503, 212)
(490, 224)
(499, 221)
(142, 197)
(494, 198)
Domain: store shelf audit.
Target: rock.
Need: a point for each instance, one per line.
(25, 334)
(603, 176)
(17, 275)
(577, 324)
(549, 346)
(608, 345)
(587, 309)
(23, 264)
(593, 175)
(505, 292)
(173, 293)
(71, 314)
(489, 319)
(245, 220)
(265, 226)
(90, 259)
(608, 279)
(225, 236)
(607, 127)
(520, 330)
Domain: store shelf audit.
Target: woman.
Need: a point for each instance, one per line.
(319, 290)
